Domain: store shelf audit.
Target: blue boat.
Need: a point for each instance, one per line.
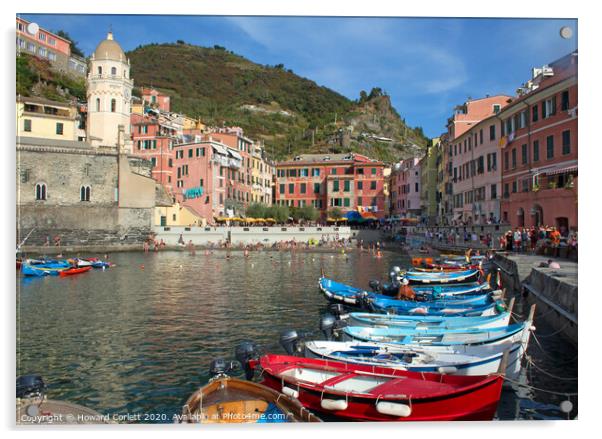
(432, 337)
(445, 277)
(339, 292)
(438, 308)
(40, 270)
(425, 322)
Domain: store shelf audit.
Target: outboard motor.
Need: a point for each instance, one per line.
(327, 324)
(221, 367)
(30, 386)
(390, 289)
(245, 351)
(217, 367)
(374, 285)
(337, 309)
(364, 301)
(289, 340)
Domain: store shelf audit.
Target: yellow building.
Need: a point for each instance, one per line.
(192, 124)
(42, 118)
(177, 215)
(262, 173)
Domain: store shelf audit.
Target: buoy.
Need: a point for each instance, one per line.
(180, 266)
(142, 267)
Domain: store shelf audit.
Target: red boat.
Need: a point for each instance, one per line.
(72, 271)
(366, 393)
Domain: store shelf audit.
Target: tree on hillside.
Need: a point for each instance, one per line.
(74, 47)
(375, 92)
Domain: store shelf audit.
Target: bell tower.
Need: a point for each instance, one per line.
(109, 93)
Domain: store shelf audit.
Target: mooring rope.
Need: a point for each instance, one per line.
(555, 332)
(532, 363)
(548, 355)
(553, 392)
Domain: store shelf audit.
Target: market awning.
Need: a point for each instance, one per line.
(219, 149)
(234, 154)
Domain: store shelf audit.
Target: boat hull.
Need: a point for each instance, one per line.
(426, 322)
(432, 398)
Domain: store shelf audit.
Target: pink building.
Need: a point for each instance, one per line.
(405, 189)
(47, 45)
(474, 160)
(473, 111)
(155, 99)
(239, 186)
(202, 171)
(155, 142)
(539, 149)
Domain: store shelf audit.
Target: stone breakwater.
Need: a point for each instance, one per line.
(554, 290)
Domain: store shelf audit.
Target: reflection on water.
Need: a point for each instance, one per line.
(139, 337)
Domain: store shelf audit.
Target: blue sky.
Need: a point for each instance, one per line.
(426, 65)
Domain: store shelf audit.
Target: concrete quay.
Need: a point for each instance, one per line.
(554, 290)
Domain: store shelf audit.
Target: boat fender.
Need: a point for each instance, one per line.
(393, 409)
(334, 404)
(290, 392)
(447, 369)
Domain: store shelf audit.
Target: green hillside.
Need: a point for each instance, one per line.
(289, 113)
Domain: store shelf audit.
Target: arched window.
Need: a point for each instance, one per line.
(113, 105)
(99, 70)
(114, 71)
(84, 193)
(41, 191)
(97, 104)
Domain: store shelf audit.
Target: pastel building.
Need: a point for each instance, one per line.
(477, 173)
(34, 40)
(155, 99)
(203, 171)
(153, 141)
(46, 119)
(350, 182)
(472, 160)
(539, 149)
(404, 187)
(238, 179)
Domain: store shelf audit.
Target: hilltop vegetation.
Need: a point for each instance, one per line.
(291, 114)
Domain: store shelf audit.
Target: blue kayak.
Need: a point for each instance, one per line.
(339, 292)
(432, 337)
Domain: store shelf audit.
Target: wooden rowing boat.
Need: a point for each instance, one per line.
(371, 393)
(231, 400)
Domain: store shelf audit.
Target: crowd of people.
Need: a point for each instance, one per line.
(527, 239)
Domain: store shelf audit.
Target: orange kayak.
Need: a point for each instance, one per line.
(72, 271)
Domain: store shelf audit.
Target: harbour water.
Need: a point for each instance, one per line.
(136, 340)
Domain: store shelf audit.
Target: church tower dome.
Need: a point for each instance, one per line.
(109, 93)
